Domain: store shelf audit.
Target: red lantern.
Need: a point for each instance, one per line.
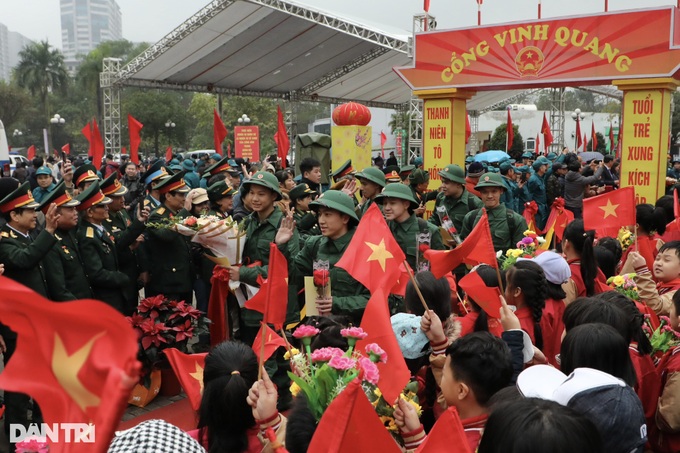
(351, 114)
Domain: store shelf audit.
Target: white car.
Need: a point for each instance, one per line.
(198, 153)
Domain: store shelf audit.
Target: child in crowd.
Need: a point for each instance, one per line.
(476, 320)
(557, 272)
(526, 290)
(668, 412)
(658, 296)
(476, 367)
(651, 224)
(608, 254)
(577, 246)
(639, 349)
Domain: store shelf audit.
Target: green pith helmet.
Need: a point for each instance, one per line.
(337, 200)
(490, 180)
(265, 179)
(372, 174)
(400, 191)
(419, 176)
(453, 173)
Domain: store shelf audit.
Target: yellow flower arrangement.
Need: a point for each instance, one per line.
(293, 351)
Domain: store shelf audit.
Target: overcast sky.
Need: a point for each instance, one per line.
(150, 20)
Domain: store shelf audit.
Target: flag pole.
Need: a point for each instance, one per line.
(500, 282)
(606, 6)
(539, 9)
(260, 361)
(265, 316)
(479, 13)
(415, 285)
(288, 347)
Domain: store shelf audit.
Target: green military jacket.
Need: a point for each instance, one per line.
(507, 227)
(98, 250)
(423, 198)
(306, 225)
(170, 252)
(23, 260)
(126, 231)
(349, 296)
(364, 207)
(455, 209)
(64, 269)
(255, 260)
(405, 234)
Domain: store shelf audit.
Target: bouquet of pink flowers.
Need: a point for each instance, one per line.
(526, 248)
(663, 338)
(324, 373)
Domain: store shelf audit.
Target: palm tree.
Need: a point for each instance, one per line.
(41, 70)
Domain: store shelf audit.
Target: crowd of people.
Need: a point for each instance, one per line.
(567, 366)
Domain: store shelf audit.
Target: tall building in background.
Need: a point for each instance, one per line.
(11, 44)
(85, 24)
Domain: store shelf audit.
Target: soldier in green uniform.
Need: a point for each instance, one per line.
(300, 197)
(453, 201)
(418, 182)
(372, 183)
(64, 268)
(98, 248)
(399, 206)
(128, 236)
(338, 222)
(507, 227)
(23, 260)
(393, 177)
(173, 272)
(261, 227)
(221, 199)
(84, 175)
(405, 172)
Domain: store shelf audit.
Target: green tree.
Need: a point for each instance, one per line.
(262, 113)
(41, 70)
(498, 141)
(601, 144)
(13, 103)
(153, 108)
(201, 116)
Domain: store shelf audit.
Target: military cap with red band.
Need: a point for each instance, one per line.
(111, 186)
(19, 198)
(174, 183)
(58, 196)
(92, 196)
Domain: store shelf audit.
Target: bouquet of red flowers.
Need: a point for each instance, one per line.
(163, 323)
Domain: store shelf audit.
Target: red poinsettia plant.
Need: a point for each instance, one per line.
(163, 323)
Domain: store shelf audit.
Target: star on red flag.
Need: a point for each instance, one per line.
(189, 371)
(608, 212)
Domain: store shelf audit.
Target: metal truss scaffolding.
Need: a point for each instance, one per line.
(557, 119)
(111, 101)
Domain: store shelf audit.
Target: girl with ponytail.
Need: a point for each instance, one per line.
(586, 278)
(651, 225)
(227, 424)
(526, 289)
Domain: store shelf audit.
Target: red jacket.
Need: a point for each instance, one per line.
(552, 328)
(665, 435)
(467, 324)
(473, 428)
(600, 280)
(648, 384)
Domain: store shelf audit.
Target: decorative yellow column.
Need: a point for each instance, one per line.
(444, 113)
(645, 135)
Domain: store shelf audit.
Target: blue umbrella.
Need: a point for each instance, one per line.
(590, 155)
(491, 156)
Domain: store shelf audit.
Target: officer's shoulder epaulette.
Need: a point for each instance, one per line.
(89, 232)
(160, 211)
(4, 234)
(57, 237)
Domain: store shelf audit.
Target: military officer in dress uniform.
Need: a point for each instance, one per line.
(64, 268)
(221, 197)
(84, 175)
(372, 183)
(150, 178)
(172, 273)
(507, 227)
(98, 248)
(399, 206)
(128, 236)
(221, 166)
(23, 260)
(300, 197)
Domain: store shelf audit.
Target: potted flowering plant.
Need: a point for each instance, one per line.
(323, 374)
(162, 323)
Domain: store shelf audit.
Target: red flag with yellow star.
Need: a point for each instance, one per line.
(77, 359)
(373, 255)
(272, 342)
(476, 249)
(608, 212)
(268, 300)
(446, 435)
(189, 371)
(394, 374)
